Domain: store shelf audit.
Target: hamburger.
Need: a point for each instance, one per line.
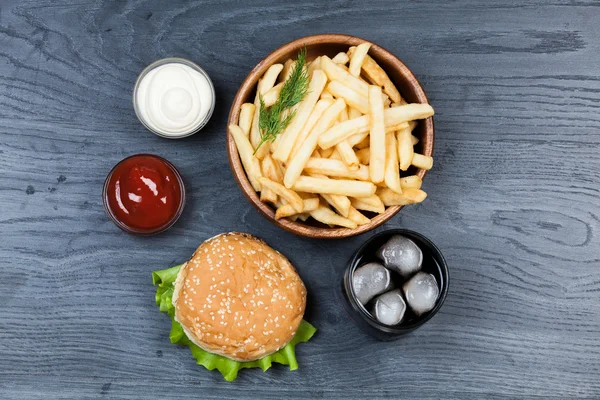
(237, 303)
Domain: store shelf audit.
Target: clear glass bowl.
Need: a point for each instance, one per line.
(173, 60)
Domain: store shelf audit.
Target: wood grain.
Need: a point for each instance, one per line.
(513, 200)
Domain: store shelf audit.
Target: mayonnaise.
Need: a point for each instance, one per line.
(174, 98)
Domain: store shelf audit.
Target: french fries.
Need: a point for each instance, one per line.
(347, 155)
(342, 154)
(287, 210)
(357, 217)
(411, 182)
(272, 95)
(377, 160)
(288, 67)
(395, 118)
(421, 161)
(336, 73)
(296, 165)
(377, 76)
(405, 148)
(250, 163)
(341, 58)
(316, 113)
(271, 170)
(392, 175)
(408, 196)
(361, 204)
(335, 168)
(328, 217)
(245, 119)
(358, 57)
(343, 187)
(289, 195)
(352, 98)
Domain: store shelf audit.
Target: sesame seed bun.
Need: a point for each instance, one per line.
(239, 298)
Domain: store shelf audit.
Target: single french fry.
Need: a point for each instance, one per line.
(326, 95)
(364, 155)
(405, 149)
(287, 210)
(341, 58)
(335, 168)
(377, 136)
(246, 116)
(269, 78)
(358, 56)
(250, 163)
(268, 196)
(414, 140)
(347, 155)
(421, 161)
(314, 65)
(342, 187)
(296, 165)
(408, 196)
(378, 76)
(288, 67)
(411, 182)
(326, 216)
(254, 129)
(272, 95)
(336, 73)
(392, 173)
(305, 107)
(359, 204)
(289, 195)
(352, 98)
(316, 113)
(357, 217)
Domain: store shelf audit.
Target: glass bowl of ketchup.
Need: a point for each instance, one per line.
(144, 194)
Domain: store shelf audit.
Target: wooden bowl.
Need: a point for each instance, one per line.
(330, 45)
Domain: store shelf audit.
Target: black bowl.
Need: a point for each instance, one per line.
(433, 263)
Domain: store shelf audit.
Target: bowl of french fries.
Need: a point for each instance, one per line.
(330, 136)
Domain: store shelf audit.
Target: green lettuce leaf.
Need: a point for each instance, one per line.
(165, 279)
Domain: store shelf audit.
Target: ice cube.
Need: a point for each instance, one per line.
(369, 280)
(389, 308)
(402, 255)
(421, 292)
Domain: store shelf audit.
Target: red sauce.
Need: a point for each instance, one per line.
(144, 193)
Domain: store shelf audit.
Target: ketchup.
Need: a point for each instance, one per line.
(144, 193)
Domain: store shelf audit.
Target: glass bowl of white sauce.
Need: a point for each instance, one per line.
(173, 98)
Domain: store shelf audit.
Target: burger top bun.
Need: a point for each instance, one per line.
(239, 298)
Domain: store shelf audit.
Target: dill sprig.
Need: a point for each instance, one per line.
(273, 120)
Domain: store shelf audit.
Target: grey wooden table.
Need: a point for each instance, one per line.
(513, 200)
